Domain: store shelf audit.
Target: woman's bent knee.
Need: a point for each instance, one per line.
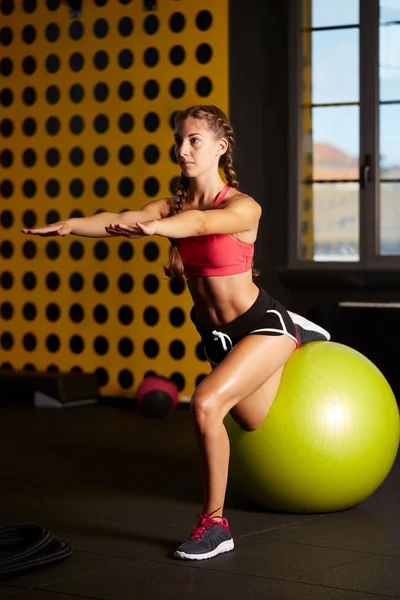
(206, 410)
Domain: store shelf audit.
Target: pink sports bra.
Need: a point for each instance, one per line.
(215, 254)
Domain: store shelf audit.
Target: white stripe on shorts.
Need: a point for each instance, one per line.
(283, 330)
(275, 331)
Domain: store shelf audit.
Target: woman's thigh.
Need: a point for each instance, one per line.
(251, 412)
(249, 366)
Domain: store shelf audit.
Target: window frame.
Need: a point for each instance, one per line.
(369, 197)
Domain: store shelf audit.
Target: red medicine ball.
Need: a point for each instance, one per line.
(157, 396)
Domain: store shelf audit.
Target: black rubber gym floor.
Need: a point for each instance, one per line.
(124, 491)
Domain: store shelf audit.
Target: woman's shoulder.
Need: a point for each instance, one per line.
(236, 196)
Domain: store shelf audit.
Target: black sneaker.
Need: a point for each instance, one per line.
(309, 331)
(210, 537)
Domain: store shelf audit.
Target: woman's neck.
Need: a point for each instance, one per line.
(203, 192)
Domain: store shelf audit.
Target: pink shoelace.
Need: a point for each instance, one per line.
(203, 523)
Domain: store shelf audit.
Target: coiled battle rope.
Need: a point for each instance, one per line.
(34, 546)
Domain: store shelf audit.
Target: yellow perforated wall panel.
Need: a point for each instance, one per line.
(86, 108)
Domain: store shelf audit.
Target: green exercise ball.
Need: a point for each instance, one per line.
(330, 439)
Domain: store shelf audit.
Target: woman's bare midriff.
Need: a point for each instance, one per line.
(220, 300)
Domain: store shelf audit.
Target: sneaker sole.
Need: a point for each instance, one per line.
(224, 547)
(310, 326)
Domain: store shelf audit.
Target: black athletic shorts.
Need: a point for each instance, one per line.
(265, 317)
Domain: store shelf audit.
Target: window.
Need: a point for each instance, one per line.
(345, 134)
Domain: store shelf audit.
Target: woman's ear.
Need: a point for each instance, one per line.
(222, 146)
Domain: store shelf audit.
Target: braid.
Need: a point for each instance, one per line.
(175, 265)
(180, 195)
(227, 164)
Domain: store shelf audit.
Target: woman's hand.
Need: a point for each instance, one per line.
(134, 230)
(59, 228)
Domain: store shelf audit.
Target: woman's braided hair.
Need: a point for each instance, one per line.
(220, 125)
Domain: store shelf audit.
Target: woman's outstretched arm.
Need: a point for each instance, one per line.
(239, 215)
(96, 225)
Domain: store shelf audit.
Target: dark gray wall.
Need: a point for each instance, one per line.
(258, 110)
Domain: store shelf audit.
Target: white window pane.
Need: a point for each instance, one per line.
(389, 58)
(389, 10)
(336, 222)
(390, 218)
(335, 66)
(326, 13)
(336, 141)
(389, 141)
